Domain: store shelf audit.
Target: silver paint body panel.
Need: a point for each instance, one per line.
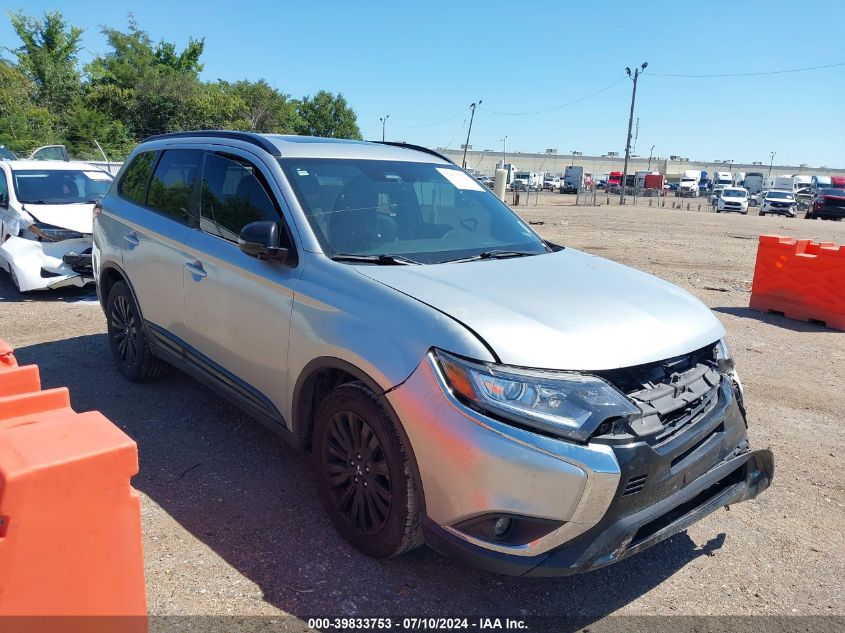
(264, 322)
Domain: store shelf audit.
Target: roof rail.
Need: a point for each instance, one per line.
(419, 148)
(246, 137)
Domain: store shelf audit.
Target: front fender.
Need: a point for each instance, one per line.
(340, 314)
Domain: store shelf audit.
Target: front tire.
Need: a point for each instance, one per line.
(364, 473)
(127, 338)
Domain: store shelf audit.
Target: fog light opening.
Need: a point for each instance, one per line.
(507, 529)
(501, 527)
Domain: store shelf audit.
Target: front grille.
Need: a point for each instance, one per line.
(672, 394)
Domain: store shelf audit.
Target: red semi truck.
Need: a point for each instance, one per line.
(614, 181)
(654, 181)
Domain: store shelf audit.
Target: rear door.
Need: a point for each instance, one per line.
(238, 307)
(155, 219)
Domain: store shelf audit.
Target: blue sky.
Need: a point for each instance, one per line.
(423, 63)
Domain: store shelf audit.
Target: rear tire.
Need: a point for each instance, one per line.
(364, 473)
(127, 338)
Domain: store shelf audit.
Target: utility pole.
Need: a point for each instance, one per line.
(634, 78)
(504, 140)
(383, 120)
(466, 145)
(771, 162)
(650, 154)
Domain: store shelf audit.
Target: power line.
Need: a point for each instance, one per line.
(558, 107)
(754, 74)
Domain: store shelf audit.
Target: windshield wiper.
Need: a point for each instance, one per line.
(503, 254)
(379, 260)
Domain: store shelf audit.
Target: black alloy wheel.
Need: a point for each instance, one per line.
(124, 330)
(127, 338)
(357, 473)
(364, 472)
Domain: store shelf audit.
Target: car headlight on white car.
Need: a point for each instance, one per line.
(47, 233)
(567, 404)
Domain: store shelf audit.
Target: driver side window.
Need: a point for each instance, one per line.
(233, 193)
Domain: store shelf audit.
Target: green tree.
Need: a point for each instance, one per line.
(23, 124)
(264, 109)
(84, 125)
(48, 56)
(151, 88)
(133, 56)
(328, 115)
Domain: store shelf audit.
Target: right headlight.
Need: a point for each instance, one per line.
(567, 404)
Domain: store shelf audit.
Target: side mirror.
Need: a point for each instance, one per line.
(262, 240)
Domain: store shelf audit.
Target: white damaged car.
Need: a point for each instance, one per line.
(46, 221)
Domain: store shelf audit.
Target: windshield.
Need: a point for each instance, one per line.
(779, 195)
(425, 212)
(60, 186)
(733, 193)
(7, 154)
(831, 191)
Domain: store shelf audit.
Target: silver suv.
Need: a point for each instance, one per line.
(456, 379)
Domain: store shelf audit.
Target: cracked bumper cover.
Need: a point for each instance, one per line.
(32, 260)
(470, 466)
(741, 478)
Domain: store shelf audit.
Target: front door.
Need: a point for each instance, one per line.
(238, 307)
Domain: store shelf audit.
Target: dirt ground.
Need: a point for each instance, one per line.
(232, 523)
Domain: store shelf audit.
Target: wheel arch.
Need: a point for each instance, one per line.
(317, 379)
(110, 274)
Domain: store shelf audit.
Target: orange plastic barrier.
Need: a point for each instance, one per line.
(802, 279)
(70, 523)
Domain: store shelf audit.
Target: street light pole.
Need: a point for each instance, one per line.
(466, 145)
(771, 162)
(650, 154)
(504, 140)
(383, 120)
(635, 77)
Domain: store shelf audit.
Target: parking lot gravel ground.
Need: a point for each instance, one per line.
(232, 523)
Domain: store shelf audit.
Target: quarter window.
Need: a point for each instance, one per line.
(173, 182)
(133, 185)
(233, 194)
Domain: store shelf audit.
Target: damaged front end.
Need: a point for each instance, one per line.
(46, 257)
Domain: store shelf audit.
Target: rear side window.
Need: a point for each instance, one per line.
(233, 194)
(133, 185)
(173, 183)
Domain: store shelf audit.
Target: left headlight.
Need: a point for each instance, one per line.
(566, 404)
(52, 233)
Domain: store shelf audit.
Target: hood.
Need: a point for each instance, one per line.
(73, 217)
(563, 310)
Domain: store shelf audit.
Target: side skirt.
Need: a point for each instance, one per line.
(185, 358)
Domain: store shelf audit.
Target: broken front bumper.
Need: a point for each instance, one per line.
(615, 538)
(591, 504)
(48, 265)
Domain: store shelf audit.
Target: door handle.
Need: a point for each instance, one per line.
(132, 238)
(196, 269)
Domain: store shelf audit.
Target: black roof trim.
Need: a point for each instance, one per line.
(419, 148)
(246, 137)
